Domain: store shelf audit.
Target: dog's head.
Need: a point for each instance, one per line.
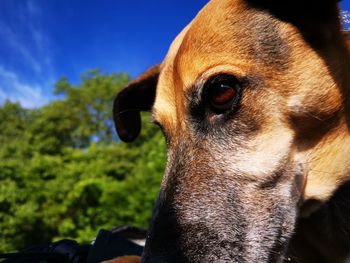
(251, 100)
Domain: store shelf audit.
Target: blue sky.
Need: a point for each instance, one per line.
(42, 40)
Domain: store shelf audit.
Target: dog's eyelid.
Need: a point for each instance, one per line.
(236, 71)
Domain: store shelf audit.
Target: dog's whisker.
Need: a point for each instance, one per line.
(126, 111)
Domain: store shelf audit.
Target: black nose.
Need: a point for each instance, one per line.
(163, 242)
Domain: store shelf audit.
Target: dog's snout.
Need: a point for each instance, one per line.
(204, 215)
(163, 240)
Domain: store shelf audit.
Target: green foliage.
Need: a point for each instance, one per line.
(63, 173)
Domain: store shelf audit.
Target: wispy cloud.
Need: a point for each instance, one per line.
(26, 67)
(14, 89)
(18, 46)
(345, 15)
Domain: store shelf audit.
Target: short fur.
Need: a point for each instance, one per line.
(266, 182)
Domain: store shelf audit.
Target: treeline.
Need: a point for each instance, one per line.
(63, 173)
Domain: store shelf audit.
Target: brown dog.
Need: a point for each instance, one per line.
(253, 99)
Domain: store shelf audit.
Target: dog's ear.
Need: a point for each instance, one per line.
(138, 96)
(296, 9)
(317, 20)
(300, 12)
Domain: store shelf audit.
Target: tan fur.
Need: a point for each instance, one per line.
(240, 184)
(189, 60)
(124, 259)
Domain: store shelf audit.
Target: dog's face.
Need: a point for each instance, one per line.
(245, 97)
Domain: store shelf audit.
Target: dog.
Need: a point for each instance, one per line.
(253, 100)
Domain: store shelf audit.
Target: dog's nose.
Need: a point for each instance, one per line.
(164, 238)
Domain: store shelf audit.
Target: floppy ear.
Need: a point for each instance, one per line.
(138, 96)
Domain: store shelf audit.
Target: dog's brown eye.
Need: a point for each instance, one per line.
(222, 92)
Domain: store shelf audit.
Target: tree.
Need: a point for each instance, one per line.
(91, 102)
(63, 171)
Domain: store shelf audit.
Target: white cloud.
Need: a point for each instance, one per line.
(26, 38)
(345, 15)
(10, 36)
(14, 89)
(33, 9)
(27, 68)
(3, 96)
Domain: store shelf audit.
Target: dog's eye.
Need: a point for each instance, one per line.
(222, 92)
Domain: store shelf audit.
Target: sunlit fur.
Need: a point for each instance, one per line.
(244, 186)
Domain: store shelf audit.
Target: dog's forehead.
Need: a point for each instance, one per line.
(225, 32)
